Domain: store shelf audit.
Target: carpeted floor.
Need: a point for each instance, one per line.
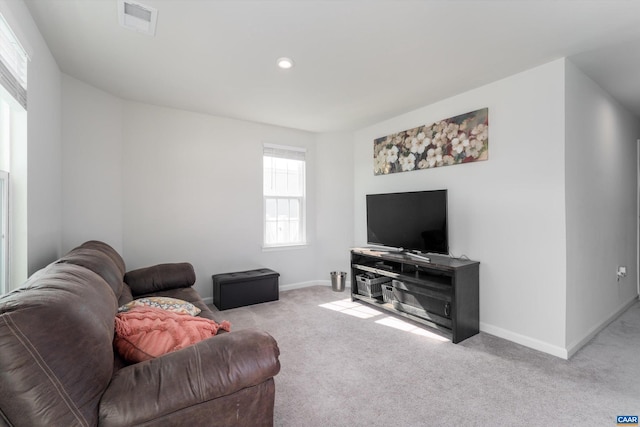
(344, 364)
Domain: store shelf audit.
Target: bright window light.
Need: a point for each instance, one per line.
(284, 196)
(355, 309)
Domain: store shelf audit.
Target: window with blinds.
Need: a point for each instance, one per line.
(13, 129)
(13, 64)
(284, 196)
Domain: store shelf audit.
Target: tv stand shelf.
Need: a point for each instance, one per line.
(442, 293)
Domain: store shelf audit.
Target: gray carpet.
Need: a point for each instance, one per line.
(343, 370)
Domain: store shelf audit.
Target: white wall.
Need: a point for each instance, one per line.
(507, 212)
(601, 193)
(334, 201)
(38, 242)
(193, 192)
(92, 165)
(167, 185)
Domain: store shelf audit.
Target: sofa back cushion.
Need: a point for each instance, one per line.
(100, 258)
(109, 251)
(56, 347)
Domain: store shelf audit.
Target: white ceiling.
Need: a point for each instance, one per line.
(357, 62)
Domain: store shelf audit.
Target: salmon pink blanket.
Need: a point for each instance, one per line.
(144, 333)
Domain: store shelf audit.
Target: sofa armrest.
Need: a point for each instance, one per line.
(215, 367)
(160, 277)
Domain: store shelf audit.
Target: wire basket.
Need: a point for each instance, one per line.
(371, 287)
(387, 292)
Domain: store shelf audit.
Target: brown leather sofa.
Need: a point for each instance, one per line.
(58, 366)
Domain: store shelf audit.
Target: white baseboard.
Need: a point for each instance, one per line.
(299, 285)
(574, 347)
(564, 353)
(525, 340)
(208, 300)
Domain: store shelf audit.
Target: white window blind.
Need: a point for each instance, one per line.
(13, 64)
(282, 152)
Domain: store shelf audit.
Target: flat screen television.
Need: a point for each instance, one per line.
(414, 221)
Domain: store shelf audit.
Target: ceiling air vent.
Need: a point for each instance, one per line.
(137, 17)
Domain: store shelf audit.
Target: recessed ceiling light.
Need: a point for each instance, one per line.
(285, 63)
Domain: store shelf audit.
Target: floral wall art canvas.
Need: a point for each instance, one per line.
(459, 139)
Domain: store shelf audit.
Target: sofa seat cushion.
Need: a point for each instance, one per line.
(186, 294)
(144, 333)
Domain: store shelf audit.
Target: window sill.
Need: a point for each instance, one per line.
(287, 247)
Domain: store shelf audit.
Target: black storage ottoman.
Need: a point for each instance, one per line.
(231, 290)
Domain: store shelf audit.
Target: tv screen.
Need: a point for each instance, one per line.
(413, 221)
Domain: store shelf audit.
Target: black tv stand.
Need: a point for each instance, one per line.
(418, 256)
(439, 292)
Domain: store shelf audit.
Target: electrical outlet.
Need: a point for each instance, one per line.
(622, 272)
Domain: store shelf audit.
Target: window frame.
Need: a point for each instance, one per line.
(14, 63)
(4, 232)
(287, 153)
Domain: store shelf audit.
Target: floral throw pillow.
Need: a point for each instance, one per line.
(165, 303)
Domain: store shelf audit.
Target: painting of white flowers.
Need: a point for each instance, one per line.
(459, 139)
